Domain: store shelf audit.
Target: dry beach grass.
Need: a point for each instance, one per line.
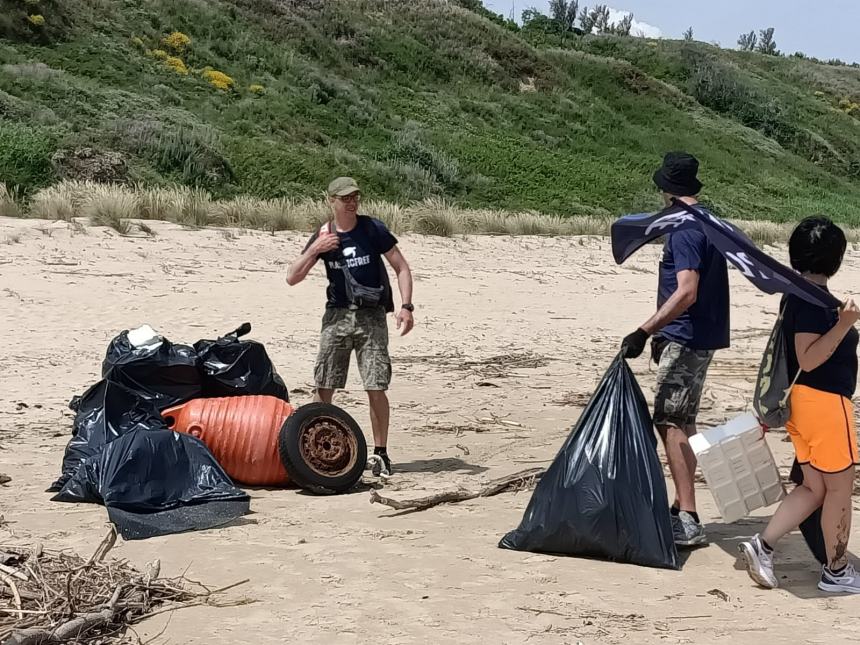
(122, 207)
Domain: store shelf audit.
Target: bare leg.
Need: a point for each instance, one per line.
(682, 464)
(691, 461)
(379, 416)
(797, 506)
(836, 516)
(323, 395)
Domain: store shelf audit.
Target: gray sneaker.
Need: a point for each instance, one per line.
(846, 581)
(759, 563)
(687, 531)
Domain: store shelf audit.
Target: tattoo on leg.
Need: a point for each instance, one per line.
(840, 551)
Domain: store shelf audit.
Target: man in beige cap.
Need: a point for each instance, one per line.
(359, 296)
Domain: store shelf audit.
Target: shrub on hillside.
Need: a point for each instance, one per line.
(192, 154)
(218, 80)
(177, 42)
(25, 154)
(718, 87)
(410, 147)
(849, 107)
(177, 65)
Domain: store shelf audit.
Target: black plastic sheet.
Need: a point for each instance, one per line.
(104, 412)
(167, 375)
(811, 526)
(604, 495)
(234, 367)
(157, 482)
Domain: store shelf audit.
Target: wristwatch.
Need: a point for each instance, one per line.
(408, 307)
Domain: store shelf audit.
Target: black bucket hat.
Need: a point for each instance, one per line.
(677, 175)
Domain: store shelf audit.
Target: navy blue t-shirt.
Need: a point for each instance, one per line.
(705, 325)
(838, 374)
(362, 248)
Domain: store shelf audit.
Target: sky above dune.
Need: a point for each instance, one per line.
(826, 29)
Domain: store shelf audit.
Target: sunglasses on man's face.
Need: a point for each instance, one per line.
(349, 199)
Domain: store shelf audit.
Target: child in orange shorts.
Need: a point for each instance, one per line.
(822, 351)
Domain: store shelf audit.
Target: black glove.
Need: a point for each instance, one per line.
(634, 344)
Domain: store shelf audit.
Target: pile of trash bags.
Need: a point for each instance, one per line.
(604, 495)
(154, 481)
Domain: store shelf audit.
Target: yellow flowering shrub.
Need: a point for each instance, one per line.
(177, 65)
(849, 107)
(177, 41)
(137, 42)
(218, 80)
(158, 54)
(256, 89)
(37, 20)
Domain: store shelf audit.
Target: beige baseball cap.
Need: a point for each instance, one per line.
(343, 186)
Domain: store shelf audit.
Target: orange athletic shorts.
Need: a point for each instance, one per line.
(822, 429)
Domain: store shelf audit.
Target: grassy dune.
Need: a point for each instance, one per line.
(431, 102)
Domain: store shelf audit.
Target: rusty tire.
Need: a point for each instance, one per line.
(322, 449)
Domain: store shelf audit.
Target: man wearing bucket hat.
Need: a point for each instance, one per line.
(691, 323)
(359, 297)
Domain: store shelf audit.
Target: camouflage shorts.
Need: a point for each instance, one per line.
(345, 330)
(681, 375)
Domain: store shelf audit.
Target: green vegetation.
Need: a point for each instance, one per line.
(417, 100)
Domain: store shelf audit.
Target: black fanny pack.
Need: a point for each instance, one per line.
(358, 294)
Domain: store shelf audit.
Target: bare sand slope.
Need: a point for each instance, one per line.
(516, 328)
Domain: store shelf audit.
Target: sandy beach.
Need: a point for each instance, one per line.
(512, 335)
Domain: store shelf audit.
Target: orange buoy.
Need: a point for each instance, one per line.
(240, 431)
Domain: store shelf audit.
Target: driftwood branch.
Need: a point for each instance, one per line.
(105, 546)
(9, 571)
(14, 589)
(67, 631)
(517, 481)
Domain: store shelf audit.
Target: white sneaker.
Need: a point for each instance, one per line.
(759, 563)
(846, 581)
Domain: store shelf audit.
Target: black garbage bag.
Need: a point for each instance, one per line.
(167, 374)
(104, 412)
(811, 526)
(233, 367)
(604, 495)
(157, 482)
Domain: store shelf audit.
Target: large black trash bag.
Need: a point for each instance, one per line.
(167, 374)
(604, 495)
(811, 526)
(157, 482)
(103, 413)
(233, 367)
